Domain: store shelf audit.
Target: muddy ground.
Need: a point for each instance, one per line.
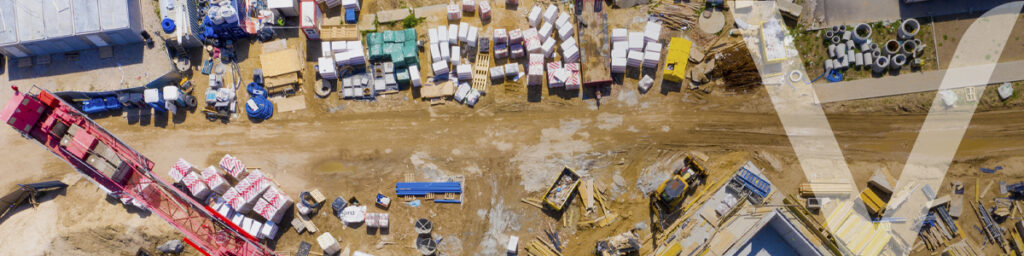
(506, 148)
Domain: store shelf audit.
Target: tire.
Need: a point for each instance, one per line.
(190, 101)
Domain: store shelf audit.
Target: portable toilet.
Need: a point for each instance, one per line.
(153, 99)
(309, 19)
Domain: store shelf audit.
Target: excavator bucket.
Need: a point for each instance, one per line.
(24, 193)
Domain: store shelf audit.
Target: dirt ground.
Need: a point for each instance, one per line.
(506, 148)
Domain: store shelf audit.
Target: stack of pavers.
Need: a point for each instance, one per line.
(394, 51)
(241, 203)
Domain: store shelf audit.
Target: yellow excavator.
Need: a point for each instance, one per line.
(666, 201)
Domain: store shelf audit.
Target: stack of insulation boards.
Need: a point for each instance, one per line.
(348, 53)
(535, 70)
(396, 50)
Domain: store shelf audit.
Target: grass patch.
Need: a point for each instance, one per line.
(411, 21)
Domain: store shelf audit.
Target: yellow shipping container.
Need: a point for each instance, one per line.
(676, 59)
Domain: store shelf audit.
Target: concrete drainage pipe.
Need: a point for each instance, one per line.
(861, 33)
(881, 63)
(868, 60)
(908, 29)
(831, 51)
(866, 46)
(898, 61)
(876, 53)
(836, 39)
(891, 47)
(920, 47)
(909, 47)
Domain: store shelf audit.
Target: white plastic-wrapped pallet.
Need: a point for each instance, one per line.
(468, 6)
(651, 59)
(464, 71)
(325, 49)
(618, 65)
(471, 99)
(463, 31)
(653, 47)
(515, 36)
(619, 53)
(534, 17)
(327, 68)
(454, 12)
(548, 47)
(350, 4)
(435, 53)
(645, 83)
(550, 12)
(214, 181)
(414, 76)
(511, 69)
(460, 93)
(328, 243)
(652, 31)
(485, 10)
(445, 52)
(440, 68)
(636, 41)
(500, 36)
(341, 58)
(563, 20)
(623, 45)
(533, 46)
(432, 35)
(471, 37)
(339, 46)
(442, 34)
(569, 42)
(619, 35)
(453, 34)
(571, 55)
(195, 185)
(634, 58)
(565, 32)
(269, 230)
(497, 73)
(456, 55)
(545, 31)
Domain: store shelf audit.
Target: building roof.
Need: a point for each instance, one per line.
(111, 22)
(29, 14)
(37, 20)
(8, 23)
(56, 22)
(86, 16)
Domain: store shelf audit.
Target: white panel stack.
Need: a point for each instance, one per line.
(619, 35)
(634, 58)
(651, 59)
(468, 6)
(350, 4)
(463, 31)
(267, 211)
(453, 34)
(653, 47)
(563, 20)
(327, 68)
(574, 81)
(325, 49)
(566, 43)
(553, 80)
(636, 41)
(440, 68)
(571, 54)
(445, 52)
(460, 93)
(328, 243)
(442, 34)
(550, 12)
(534, 17)
(233, 166)
(339, 46)
(500, 36)
(485, 10)
(565, 32)
(548, 47)
(618, 65)
(471, 37)
(213, 180)
(456, 52)
(435, 53)
(432, 35)
(269, 230)
(464, 71)
(652, 31)
(535, 72)
(414, 75)
(454, 12)
(497, 73)
(545, 31)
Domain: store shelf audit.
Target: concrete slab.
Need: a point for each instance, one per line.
(840, 12)
(909, 83)
(289, 104)
(390, 16)
(366, 22)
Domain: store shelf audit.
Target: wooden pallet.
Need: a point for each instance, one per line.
(339, 33)
(480, 68)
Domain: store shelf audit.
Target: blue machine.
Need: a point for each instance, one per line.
(753, 182)
(351, 16)
(226, 30)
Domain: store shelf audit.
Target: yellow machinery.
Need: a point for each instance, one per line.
(670, 195)
(873, 201)
(676, 59)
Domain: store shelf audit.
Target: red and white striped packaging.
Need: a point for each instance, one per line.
(232, 165)
(195, 185)
(574, 67)
(573, 82)
(180, 169)
(277, 198)
(216, 183)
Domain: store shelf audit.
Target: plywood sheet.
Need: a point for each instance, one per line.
(280, 62)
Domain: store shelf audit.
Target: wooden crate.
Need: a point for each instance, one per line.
(480, 68)
(339, 33)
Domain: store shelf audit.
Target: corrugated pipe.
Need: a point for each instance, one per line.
(861, 33)
(881, 63)
(891, 47)
(908, 29)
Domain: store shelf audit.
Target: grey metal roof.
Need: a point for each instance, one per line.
(58, 14)
(86, 16)
(119, 21)
(30, 20)
(8, 22)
